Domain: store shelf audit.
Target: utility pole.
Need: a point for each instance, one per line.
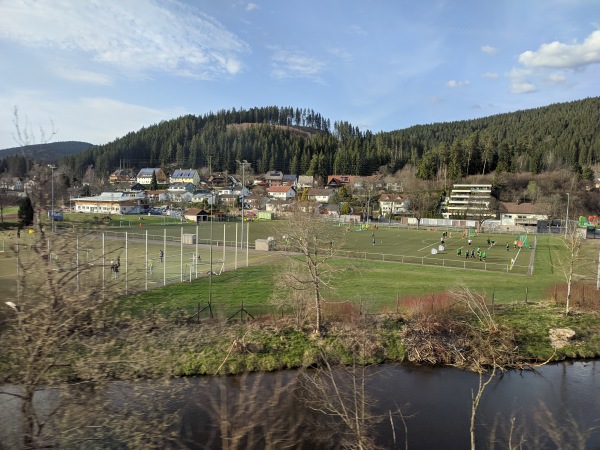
(52, 167)
(567, 218)
(243, 164)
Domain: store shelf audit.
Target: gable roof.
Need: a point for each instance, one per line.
(274, 175)
(319, 192)
(182, 173)
(279, 188)
(340, 179)
(391, 198)
(147, 171)
(520, 208)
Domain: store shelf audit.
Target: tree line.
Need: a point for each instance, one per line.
(302, 142)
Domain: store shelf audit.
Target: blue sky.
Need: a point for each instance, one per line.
(94, 70)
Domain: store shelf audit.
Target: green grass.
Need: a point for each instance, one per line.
(531, 324)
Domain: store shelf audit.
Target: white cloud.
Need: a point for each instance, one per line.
(455, 83)
(92, 119)
(296, 64)
(519, 83)
(341, 53)
(83, 76)
(489, 50)
(136, 35)
(251, 6)
(490, 75)
(557, 78)
(559, 55)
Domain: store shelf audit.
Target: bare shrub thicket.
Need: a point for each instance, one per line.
(465, 336)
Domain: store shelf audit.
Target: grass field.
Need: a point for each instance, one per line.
(370, 276)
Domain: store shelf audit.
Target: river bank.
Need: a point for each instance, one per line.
(156, 348)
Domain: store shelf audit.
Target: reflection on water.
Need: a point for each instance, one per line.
(268, 410)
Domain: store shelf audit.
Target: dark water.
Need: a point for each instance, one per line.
(269, 410)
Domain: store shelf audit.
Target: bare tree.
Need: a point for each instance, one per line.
(311, 243)
(422, 204)
(569, 259)
(59, 330)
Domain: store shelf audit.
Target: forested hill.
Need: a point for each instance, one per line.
(301, 141)
(49, 152)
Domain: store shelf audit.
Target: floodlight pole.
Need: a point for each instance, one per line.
(52, 167)
(567, 218)
(243, 164)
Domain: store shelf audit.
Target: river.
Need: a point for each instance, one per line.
(553, 406)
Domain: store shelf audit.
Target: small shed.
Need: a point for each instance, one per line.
(264, 215)
(265, 245)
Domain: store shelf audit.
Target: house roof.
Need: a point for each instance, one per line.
(319, 192)
(195, 212)
(306, 179)
(391, 198)
(520, 208)
(182, 173)
(148, 171)
(279, 188)
(274, 175)
(340, 179)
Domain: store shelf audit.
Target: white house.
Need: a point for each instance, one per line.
(520, 214)
(320, 195)
(180, 188)
(185, 176)
(281, 192)
(393, 204)
(144, 176)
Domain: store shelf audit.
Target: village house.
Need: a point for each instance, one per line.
(281, 192)
(185, 176)
(520, 214)
(122, 176)
(307, 181)
(337, 181)
(144, 176)
(393, 204)
(320, 195)
(157, 196)
(218, 180)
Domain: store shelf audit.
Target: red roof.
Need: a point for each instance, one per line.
(279, 189)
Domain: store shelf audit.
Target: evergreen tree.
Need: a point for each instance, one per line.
(25, 213)
(153, 182)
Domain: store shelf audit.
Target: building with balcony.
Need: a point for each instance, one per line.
(469, 201)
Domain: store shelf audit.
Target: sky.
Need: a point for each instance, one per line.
(95, 70)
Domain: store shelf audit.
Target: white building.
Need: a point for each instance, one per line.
(109, 203)
(281, 192)
(393, 204)
(469, 201)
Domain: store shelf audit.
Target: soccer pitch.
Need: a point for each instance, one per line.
(141, 268)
